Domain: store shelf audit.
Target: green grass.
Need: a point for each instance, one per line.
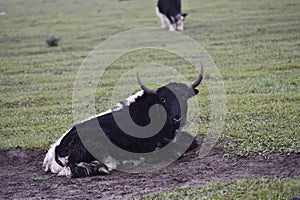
(42, 178)
(273, 189)
(255, 44)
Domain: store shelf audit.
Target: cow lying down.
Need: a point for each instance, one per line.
(69, 157)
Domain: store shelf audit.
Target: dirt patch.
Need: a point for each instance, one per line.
(21, 175)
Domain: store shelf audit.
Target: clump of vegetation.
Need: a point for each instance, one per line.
(52, 41)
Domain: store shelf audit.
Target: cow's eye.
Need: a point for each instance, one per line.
(163, 100)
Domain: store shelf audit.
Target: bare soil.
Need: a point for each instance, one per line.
(22, 177)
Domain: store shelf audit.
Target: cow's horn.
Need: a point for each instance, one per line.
(199, 79)
(143, 86)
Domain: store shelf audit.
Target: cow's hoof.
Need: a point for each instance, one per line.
(66, 171)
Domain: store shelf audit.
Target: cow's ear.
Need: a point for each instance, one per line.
(193, 93)
(184, 15)
(196, 91)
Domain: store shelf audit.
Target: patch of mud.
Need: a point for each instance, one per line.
(22, 177)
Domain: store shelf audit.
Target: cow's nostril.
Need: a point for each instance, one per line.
(177, 119)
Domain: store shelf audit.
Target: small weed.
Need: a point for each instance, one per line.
(43, 178)
(52, 41)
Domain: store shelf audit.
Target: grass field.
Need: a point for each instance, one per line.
(255, 44)
(239, 189)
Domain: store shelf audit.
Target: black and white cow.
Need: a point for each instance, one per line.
(69, 157)
(169, 12)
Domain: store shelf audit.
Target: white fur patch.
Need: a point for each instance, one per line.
(66, 171)
(134, 162)
(117, 107)
(132, 99)
(111, 163)
(50, 163)
(180, 23)
(172, 27)
(49, 160)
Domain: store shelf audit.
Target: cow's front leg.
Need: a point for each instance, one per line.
(175, 148)
(182, 140)
(172, 27)
(187, 138)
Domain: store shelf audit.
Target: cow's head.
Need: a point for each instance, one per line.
(173, 97)
(180, 21)
(177, 22)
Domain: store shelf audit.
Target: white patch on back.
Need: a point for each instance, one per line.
(129, 100)
(132, 99)
(95, 116)
(117, 107)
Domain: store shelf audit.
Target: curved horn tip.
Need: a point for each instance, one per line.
(199, 79)
(143, 86)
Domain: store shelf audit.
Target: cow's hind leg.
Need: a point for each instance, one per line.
(162, 18)
(84, 169)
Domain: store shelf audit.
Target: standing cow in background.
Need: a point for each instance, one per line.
(169, 11)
